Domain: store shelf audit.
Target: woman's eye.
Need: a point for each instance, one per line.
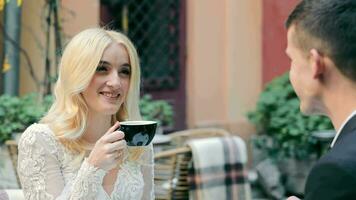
(125, 71)
(101, 69)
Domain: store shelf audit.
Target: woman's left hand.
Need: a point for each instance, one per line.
(109, 150)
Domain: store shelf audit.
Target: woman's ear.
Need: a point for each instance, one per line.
(317, 63)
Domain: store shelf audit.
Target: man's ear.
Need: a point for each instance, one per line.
(317, 63)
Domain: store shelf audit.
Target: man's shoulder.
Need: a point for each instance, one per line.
(344, 150)
(341, 157)
(329, 179)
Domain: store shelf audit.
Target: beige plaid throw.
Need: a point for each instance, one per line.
(219, 169)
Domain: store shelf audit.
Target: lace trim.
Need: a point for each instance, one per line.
(88, 181)
(31, 167)
(129, 184)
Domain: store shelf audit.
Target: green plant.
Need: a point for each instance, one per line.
(283, 130)
(17, 113)
(157, 110)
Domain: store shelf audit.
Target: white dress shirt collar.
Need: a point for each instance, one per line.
(341, 127)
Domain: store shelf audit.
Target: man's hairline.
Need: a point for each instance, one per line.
(301, 34)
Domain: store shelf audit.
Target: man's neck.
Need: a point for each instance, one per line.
(340, 103)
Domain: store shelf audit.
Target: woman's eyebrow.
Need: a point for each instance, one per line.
(126, 65)
(103, 62)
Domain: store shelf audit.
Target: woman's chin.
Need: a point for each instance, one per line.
(110, 110)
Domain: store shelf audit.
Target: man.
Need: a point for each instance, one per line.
(322, 49)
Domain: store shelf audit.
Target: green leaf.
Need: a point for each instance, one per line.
(277, 116)
(156, 110)
(17, 113)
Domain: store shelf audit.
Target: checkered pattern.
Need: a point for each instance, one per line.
(218, 169)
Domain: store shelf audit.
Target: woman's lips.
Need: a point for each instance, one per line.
(111, 97)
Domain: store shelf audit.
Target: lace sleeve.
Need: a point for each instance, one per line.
(39, 169)
(147, 165)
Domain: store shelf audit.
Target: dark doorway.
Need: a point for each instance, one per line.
(157, 28)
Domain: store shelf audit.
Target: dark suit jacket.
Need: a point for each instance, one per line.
(334, 175)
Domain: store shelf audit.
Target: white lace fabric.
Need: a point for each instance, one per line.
(48, 171)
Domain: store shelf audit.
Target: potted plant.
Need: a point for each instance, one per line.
(157, 110)
(284, 133)
(17, 113)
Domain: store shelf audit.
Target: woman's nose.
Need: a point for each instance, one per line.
(114, 81)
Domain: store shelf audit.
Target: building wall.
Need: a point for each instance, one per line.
(274, 34)
(76, 15)
(33, 42)
(244, 57)
(206, 69)
(79, 15)
(223, 62)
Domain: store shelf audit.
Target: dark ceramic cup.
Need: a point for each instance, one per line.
(138, 133)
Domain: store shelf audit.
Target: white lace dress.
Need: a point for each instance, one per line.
(47, 171)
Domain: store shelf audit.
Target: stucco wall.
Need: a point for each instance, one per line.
(223, 61)
(275, 13)
(76, 15)
(79, 14)
(206, 68)
(33, 42)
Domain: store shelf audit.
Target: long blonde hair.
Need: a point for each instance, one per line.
(67, 117)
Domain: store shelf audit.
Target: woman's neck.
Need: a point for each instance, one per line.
(97, 125)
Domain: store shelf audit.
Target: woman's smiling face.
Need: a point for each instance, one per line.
(108, 87)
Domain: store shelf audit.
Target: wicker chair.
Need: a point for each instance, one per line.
(13, 151)
(180, 137)
(171, 170)
(171, 166)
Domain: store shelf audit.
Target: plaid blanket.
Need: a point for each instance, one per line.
(218, 170)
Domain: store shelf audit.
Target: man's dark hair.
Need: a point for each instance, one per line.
(330, 27)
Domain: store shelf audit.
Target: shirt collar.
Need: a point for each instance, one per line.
(342, 127)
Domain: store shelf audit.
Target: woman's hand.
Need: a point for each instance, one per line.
(109, 149)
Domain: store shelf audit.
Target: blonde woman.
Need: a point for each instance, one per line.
(75, 152)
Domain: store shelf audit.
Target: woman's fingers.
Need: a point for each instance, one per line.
(109, 149)
(113, 128)
(116, 146)
(113, 137)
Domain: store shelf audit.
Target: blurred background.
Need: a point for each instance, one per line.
(208, 59)
(205, 63)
